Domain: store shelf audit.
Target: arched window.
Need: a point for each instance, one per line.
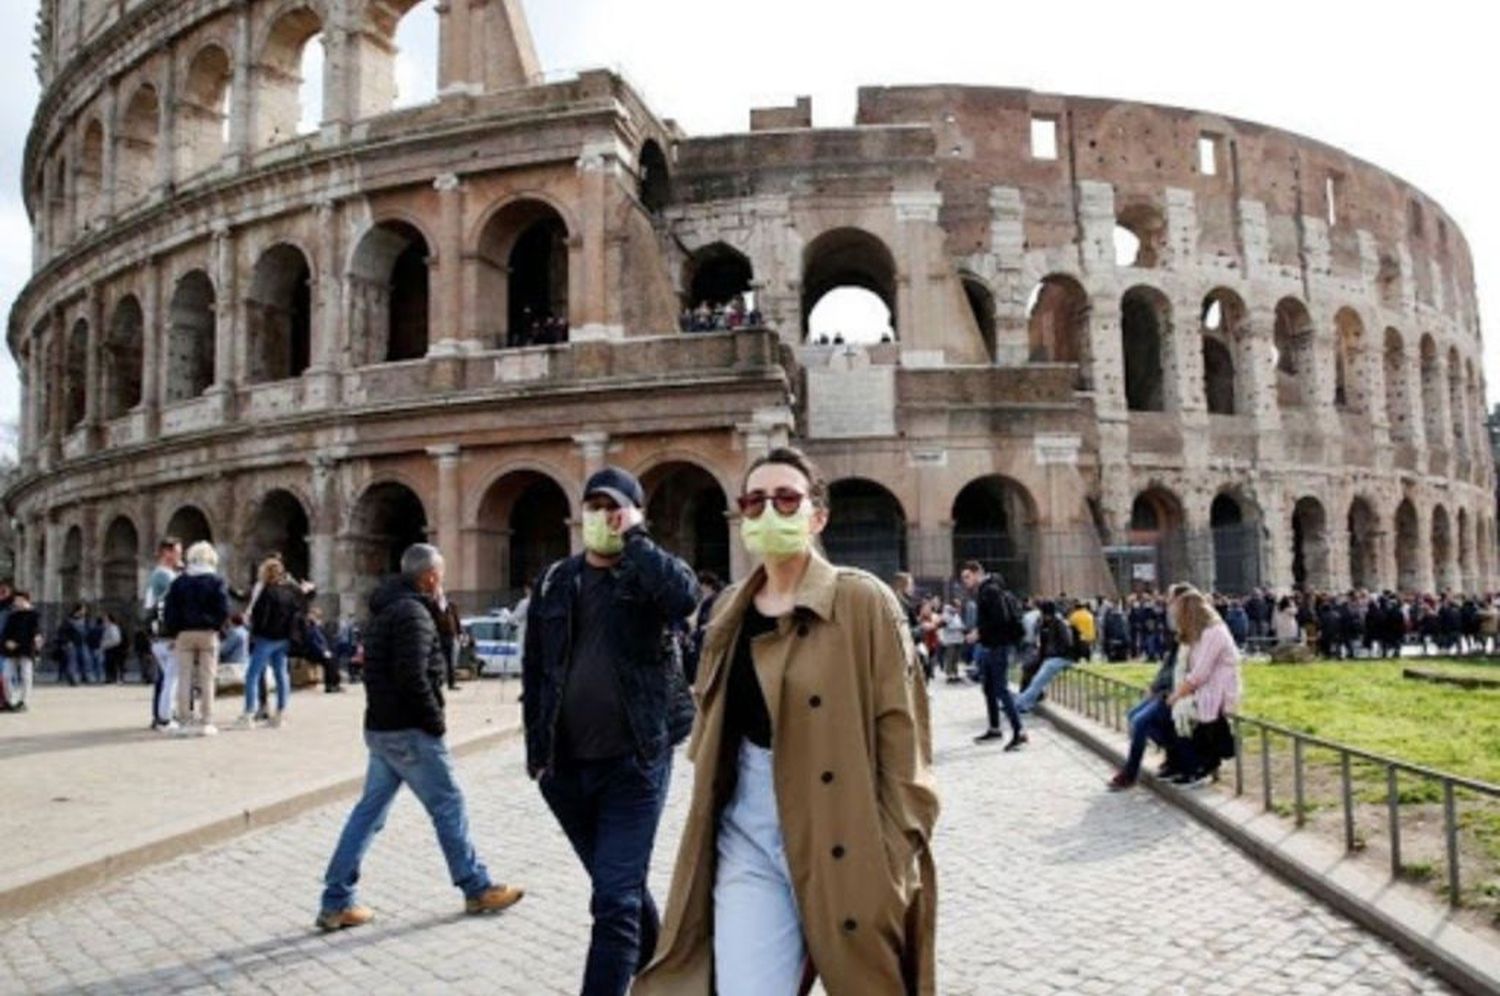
(388, 518)
(279, 315)
(1457, 409)
(523, 527)
(1444, 568)
(1398, 407)
(1225, 351)
(687, 511)
(720, 290)
(191, 337)
(90, 179)
(994, 522)
(288, 78)
(848, 288)
(1310, 562)
(1156, 520)
(1236, 542)
(120, 563)
(1145, 325)
(524, 272)
(1364, 532)
(124, 359)
(866, 527)
(1432, 393)
(279, 525)
(655, 183)
(1351, 389)
(1295, 383)
(1057, 321)
(136, 146)
(75, 376)
(1408, 548)
(416, 44)
(1140, 236)
(202, 126)
(390, 298)
(982, 308)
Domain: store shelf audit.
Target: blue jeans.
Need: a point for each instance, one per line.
(610, 811)
(994, 680)
(1051, 668)
(420, 760)
(93, 665)
(263, 652)
(1151, 720)
(72, 667)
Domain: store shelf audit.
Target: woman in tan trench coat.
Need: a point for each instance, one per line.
(840, 721)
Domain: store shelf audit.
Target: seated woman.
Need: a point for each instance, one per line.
(1212, 682)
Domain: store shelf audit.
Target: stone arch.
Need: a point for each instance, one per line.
(124, 358)
(982, 306)
(387, 518)
(654, 183)
(1363, 524)
(202, 121)
(76, 376)
(1444, 568)
(1457, 409)
(1351, 388)
(90, 177)
(120, 562)
(1310, 545)
(715, 275)
(1057, 322)
(1432, 392)
(1145, 341)
(850, 261)
(866, 527)
(278, 523)
(190, 525)
(1140, 236)
(278, 313)
(1408, 547)
(70, 568)
(1234, 524)
(277, 73)
(995, 521)
(687, 509)
(1157, 520)
(524, 272)
(192, 337)
(390, 294)
(1294, 338)
(136, 145)
(1398, 406)
(390, 26)
(1466, 573)
(1225, 351)
(523, 524)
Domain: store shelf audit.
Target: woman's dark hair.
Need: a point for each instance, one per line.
(787, 456)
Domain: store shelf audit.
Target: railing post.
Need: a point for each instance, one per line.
(1265, 768)
(1346, 790)
(1239, 758)
(1298, 797)
(1450, 834)
(1393, 807)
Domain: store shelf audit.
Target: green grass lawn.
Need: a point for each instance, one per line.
(1369, 705)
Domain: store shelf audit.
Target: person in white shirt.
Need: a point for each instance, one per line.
(168, 566)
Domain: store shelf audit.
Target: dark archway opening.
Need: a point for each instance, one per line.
(686, 508)
(994, 522)
(1143, 327)
(655, 179)
(279, 314)
(280, 527)
(866, 528)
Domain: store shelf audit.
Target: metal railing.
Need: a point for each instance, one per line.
(1108, 701)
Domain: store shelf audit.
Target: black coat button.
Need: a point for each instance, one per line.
(802, 629)
(827, 777)
(850, 924)
(838, 851)
(815, 701)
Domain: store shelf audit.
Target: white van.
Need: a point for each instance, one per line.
(494, 642)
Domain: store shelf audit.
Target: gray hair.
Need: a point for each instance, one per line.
(420, 558)
(203, 554)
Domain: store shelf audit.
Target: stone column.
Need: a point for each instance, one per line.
(918, 306)
(241, 93)
(153, 355)
(449, 518)
(226, 315)
(453, 48)
(321, 379)
(54, 358)
(90, 575)
(588, 308)
(324, 524)
(110, 181)
(450, 335)
(93, 388)
(27, 362)
(166, 144)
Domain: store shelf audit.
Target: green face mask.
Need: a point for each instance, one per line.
(598, 537)
(777, 537)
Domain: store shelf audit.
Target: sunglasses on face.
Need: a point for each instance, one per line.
(787, 501)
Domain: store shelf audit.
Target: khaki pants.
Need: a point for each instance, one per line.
(197, 653)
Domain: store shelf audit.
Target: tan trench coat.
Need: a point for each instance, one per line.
(852, 765)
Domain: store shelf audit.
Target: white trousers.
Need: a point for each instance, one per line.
(166, 679)
(758, 945)
(18, 677)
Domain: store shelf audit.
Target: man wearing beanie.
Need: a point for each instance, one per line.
(604, 704)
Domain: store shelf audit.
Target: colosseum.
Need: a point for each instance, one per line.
(1126, 343)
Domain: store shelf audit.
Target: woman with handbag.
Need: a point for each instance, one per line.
(807, 848)
(1208, 689)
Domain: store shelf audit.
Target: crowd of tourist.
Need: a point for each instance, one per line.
(719, 316)
(538, 330)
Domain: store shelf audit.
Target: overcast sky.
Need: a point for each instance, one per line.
(1409, 87)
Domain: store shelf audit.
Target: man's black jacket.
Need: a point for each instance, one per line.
(652, 589)
(403, 662)
(195, 602)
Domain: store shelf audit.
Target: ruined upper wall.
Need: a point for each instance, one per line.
(983, 136)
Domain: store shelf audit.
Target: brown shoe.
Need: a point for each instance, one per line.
(354, 916)
(494, 899)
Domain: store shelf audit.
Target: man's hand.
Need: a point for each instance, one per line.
(971, 637)
(622, 520)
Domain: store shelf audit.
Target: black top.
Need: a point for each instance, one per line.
(593, 722)
(403, 672)
(745, 713)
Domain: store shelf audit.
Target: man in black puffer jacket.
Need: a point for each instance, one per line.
(404, 731)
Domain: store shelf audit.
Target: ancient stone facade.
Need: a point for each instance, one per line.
(436, 321)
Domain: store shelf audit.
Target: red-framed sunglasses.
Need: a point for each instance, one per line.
(786, 500)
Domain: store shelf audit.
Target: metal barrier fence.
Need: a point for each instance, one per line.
(1108, 701)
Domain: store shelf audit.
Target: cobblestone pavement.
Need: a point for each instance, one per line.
(1049, 885)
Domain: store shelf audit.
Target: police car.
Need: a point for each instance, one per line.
(494, 641)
